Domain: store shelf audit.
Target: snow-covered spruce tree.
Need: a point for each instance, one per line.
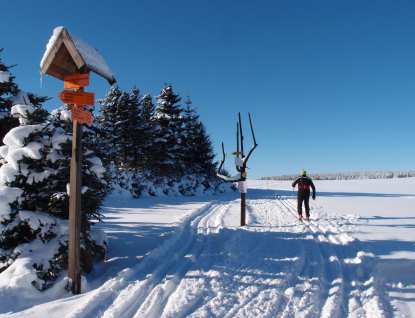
(36, 100)
(129, 122)
(144, 133)
(199, 153)
(168, 144)
(25, 224)
(108, 121)
(8, 89)
(36, 165)
(95, 185)
(120, 111)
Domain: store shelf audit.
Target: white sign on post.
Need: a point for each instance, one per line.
(242, 187)
(238, 162)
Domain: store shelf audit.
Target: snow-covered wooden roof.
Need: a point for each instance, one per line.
(67, 54)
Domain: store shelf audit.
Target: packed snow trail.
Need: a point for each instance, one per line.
(275, 266)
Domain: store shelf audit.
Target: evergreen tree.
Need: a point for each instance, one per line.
(204, 155)
(168, 143)
(108, 122)
(144, 135)
(199, 154)
(36, 159)
(95, 183)
(130, 122)
(37, 100)
(8, 89)
(120, 112)
(190, 123)
(25, 168)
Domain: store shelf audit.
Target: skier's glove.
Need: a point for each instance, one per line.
(314, 197)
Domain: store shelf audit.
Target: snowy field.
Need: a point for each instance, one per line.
(188, 257)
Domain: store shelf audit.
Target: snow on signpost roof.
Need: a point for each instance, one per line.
(66, 53)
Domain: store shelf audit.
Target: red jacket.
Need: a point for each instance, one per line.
(304, 183)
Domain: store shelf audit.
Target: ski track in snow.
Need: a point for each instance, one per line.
(275, 266)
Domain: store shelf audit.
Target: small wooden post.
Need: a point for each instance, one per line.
(243, 209)
(74, 244)
(243, 190)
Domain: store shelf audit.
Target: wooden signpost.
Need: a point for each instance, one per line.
(77, 97)
(71, 59)
(81, 115)
(76, 81)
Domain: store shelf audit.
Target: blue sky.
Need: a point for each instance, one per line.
(330, 85)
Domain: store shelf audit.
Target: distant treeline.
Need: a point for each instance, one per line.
(349, 175)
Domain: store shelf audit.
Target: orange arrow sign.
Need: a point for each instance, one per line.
(81, 115)
(78, 98)
(76, 81)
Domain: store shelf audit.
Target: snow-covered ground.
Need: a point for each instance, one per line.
(188, 257)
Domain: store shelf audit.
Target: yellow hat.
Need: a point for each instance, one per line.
(303, 172)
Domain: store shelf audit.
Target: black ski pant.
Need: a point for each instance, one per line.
(303, 196)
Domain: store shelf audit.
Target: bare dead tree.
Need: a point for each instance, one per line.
(240, 162)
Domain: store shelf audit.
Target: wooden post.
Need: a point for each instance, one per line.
(243, 190)
(243, 208)
(74, 253)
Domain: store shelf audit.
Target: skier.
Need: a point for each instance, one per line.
(304, 184)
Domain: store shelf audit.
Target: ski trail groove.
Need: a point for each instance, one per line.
(275, 266)
(152, 274)
(147, 298)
